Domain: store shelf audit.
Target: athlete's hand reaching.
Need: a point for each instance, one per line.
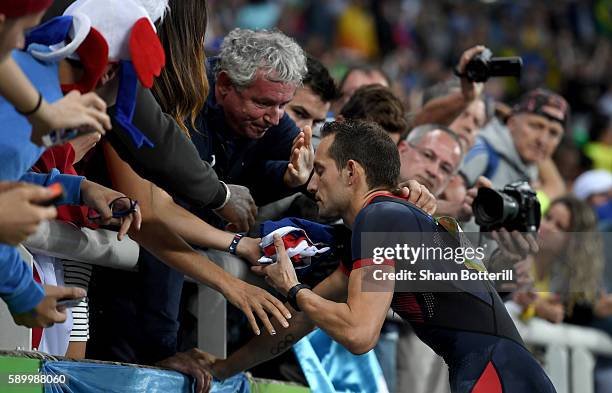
(281, 275)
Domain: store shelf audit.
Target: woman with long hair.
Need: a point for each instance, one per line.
(568, 266)
(182, 87)
(149, 300)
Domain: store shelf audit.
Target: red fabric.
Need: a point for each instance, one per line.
(147, 52)
(290, 240)
(370, 262)
(62, 157)
(17, 8)
(406, 302)
(387, 194)
(93, 54)
(36, 332)
(344, 270)
(489, 381)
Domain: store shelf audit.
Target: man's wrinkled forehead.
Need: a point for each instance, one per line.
(550, 121)
(262, 86)
(439, 139)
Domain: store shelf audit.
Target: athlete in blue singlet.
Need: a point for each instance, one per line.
(465, 322)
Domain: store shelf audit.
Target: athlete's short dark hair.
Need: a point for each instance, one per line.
(319, 81)
(369, 145)
(377, 104)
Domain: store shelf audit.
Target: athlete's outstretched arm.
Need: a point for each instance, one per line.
(355, 323)
(265, 347)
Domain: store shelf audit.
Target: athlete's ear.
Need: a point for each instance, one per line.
(351, 171)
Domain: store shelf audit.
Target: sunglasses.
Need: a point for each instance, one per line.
(120, 207)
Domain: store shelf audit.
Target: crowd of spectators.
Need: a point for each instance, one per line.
(171, 152)
(565, 45)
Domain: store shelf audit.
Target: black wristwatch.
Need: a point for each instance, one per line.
(292, 295)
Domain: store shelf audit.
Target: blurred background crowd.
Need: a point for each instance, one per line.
(566, 46)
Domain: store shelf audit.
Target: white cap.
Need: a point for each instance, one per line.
(114, 19)
(592, 182)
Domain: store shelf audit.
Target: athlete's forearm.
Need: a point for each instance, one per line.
(345, 325)
(264, 347)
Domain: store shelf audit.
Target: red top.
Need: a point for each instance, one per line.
(62, 157)
(17, 8)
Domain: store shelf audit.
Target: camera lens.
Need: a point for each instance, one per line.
(493, 208)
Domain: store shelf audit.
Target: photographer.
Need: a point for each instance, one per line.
(510, 152)
(456, 104)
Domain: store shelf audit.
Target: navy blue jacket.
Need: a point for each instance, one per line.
(258, 164)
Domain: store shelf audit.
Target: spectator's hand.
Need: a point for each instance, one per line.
(550, 309)
(302, 159)
(84, 112)
(524, 298)
(195, 363)
(417, 194)
(515, 246)
(254, 300)
(240, 210)
(470, 90)
(248, 248)
(21, 214)
(99, 198)
(46, 313)
(219, 369)
(464, 211)
(281, 274)
(523, 278)
(603, 306)
(83, 144)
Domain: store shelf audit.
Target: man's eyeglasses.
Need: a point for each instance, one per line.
(432, 157)
(120, 207)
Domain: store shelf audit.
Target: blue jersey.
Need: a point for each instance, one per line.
(465, 322)
(17, 155)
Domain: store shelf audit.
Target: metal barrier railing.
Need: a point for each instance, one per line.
(570, 352)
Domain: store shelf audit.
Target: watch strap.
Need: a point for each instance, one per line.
(234, 244)
(292, 295)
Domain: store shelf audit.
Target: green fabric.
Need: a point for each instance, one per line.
(269, 386)
(600, 154)
(17, 365)
(544, 201)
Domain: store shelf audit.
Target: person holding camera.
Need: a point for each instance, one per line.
(459, 104)
(510, 151)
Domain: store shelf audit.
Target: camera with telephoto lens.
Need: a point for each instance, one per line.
(515, 207)
(484, 66)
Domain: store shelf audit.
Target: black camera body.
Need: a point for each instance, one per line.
(484, 66)
(515, 207)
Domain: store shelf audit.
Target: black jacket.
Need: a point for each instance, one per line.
(174, 163)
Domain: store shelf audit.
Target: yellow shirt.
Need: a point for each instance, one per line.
(601, 155)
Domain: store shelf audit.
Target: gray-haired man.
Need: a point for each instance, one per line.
(244, 131)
